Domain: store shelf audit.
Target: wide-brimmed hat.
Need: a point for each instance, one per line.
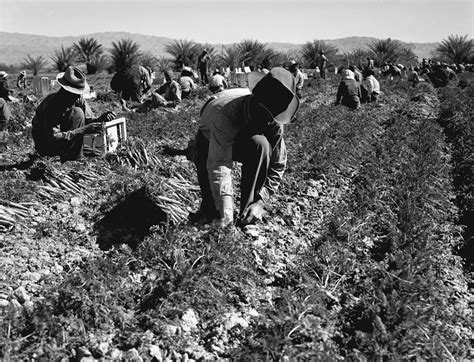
(73, 80)
(23, 72)
(275, 90)
(348, 74)
(3, 74)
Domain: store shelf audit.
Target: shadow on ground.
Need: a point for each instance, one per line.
(129, 222)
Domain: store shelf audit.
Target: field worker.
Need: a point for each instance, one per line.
(21, 80)
(298, 77)
(261, 68)
(217, 83)
(132, 84)
(370, 63)
(186, 82)
(438, 76)
(203, 59)
(247, 127)
(322, 64)
(63, 117)
(4, 88)
(5, 114)
(357, 73)
(370, 89)
(168, 94)
(348, 92)
(412, 76)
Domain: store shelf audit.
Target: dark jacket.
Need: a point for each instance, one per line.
(348, 93)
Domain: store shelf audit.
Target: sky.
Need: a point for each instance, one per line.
(228, 21)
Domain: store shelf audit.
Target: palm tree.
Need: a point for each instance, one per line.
(356, 57)
(253, 52)
(64, 57)
(385, 51)
(408, 57)
(163, 63)
(230, 57)
(125, 54)
(456, 49)
(100, 62)
(183, 52)
(148, 60)
(88, 50)
(310, 52)
(34, 64)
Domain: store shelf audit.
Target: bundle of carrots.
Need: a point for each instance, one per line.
(11, 214)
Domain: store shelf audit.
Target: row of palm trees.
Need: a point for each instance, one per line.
(251, 53)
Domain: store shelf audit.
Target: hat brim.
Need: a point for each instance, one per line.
(287, 115)
(85, 90)
(254, 78)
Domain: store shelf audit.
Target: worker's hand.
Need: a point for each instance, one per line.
(106, 117)
(95, 127)
(254, 212)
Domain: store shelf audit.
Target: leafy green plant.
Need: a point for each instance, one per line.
(63, 58)
(183, 52)
(310, 52)
(34, 64)
(89, 51)
(125, 53)
(456, 48)
(385, 50)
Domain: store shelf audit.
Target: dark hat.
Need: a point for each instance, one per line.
(73, 80)
(276, 91)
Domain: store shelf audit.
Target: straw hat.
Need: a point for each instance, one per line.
(73, 80)
(275, 91)
(3, 74)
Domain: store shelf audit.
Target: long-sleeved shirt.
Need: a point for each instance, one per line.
(222, 121)
(49, 115)
(372, 85)
(348, 93)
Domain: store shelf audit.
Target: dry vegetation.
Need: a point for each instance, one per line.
(358, 257)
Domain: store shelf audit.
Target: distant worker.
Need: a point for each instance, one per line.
(322, 64)
(370, 89)
(245, 126)
(217, 83)
(132, 84)
(357, 73)
(186, 82)
(62, 118)
(348, 92)
(412, 76)
(5, 90)
(438, 76)
(5, 114)
(203, 60)
(298, 77)
(370, 63)
(167, 95)
(21, 80)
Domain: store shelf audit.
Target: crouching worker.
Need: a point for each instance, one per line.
(63, 117)
(348, 92)
(167, 95)
(247, 127)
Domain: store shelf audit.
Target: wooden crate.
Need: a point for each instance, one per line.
(113, 133)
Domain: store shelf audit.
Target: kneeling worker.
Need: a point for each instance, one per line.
(63, 117)
(245, 127)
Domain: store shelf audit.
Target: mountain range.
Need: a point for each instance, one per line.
(14, 47)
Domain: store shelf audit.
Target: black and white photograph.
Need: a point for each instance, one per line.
(209, 180)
